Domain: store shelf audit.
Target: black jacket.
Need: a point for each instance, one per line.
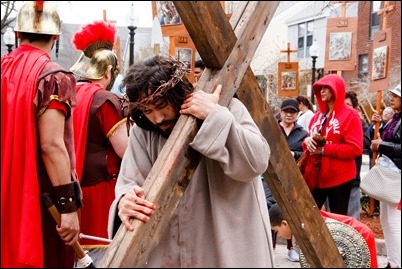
(392, 148)
(295, 139)
(359, 159)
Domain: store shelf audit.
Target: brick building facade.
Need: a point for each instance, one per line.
(364, 48)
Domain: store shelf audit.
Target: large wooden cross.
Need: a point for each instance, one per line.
(227, 54)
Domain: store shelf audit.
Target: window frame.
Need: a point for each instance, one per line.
(305, 33)
(363, 65)
(374, 18)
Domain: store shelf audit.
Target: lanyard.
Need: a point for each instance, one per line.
(323, 121)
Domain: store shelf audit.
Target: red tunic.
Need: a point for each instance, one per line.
(23, 177)
(96, 114)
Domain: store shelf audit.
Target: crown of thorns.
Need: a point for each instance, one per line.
(177, 76)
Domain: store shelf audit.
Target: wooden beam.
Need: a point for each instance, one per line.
(177, 162)
(288, 51)
(283, 176)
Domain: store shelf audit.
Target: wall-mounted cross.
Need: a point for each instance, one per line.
(385, 12)
(343, 6)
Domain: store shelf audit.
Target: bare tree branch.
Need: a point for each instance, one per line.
(8, 7)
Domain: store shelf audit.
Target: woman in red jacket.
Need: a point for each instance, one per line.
(335, 139)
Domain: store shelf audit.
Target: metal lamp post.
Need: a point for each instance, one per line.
(132, 28)
(314, 53)
(9, 39)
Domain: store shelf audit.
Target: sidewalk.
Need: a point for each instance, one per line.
(281, 260)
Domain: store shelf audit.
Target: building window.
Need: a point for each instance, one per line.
(374, 18)
(363, 65)
(305, 38)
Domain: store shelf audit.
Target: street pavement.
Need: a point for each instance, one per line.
(281, 252)
(281, 260)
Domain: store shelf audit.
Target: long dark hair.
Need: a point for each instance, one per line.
(353, 98)
(304, 100)
(145, 82)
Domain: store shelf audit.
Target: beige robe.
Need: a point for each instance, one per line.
(222, 219)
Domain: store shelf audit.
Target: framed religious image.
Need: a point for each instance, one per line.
(167, 13)
(379, 63)
(340, 45)
(185, 55)
(378, 71)
(288, 80)
(341, 38)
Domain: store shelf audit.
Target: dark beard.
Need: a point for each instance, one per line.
(142, 121)
(168, 131)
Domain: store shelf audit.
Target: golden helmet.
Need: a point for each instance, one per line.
(96, 41)
(38, 17)
(95, 67)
